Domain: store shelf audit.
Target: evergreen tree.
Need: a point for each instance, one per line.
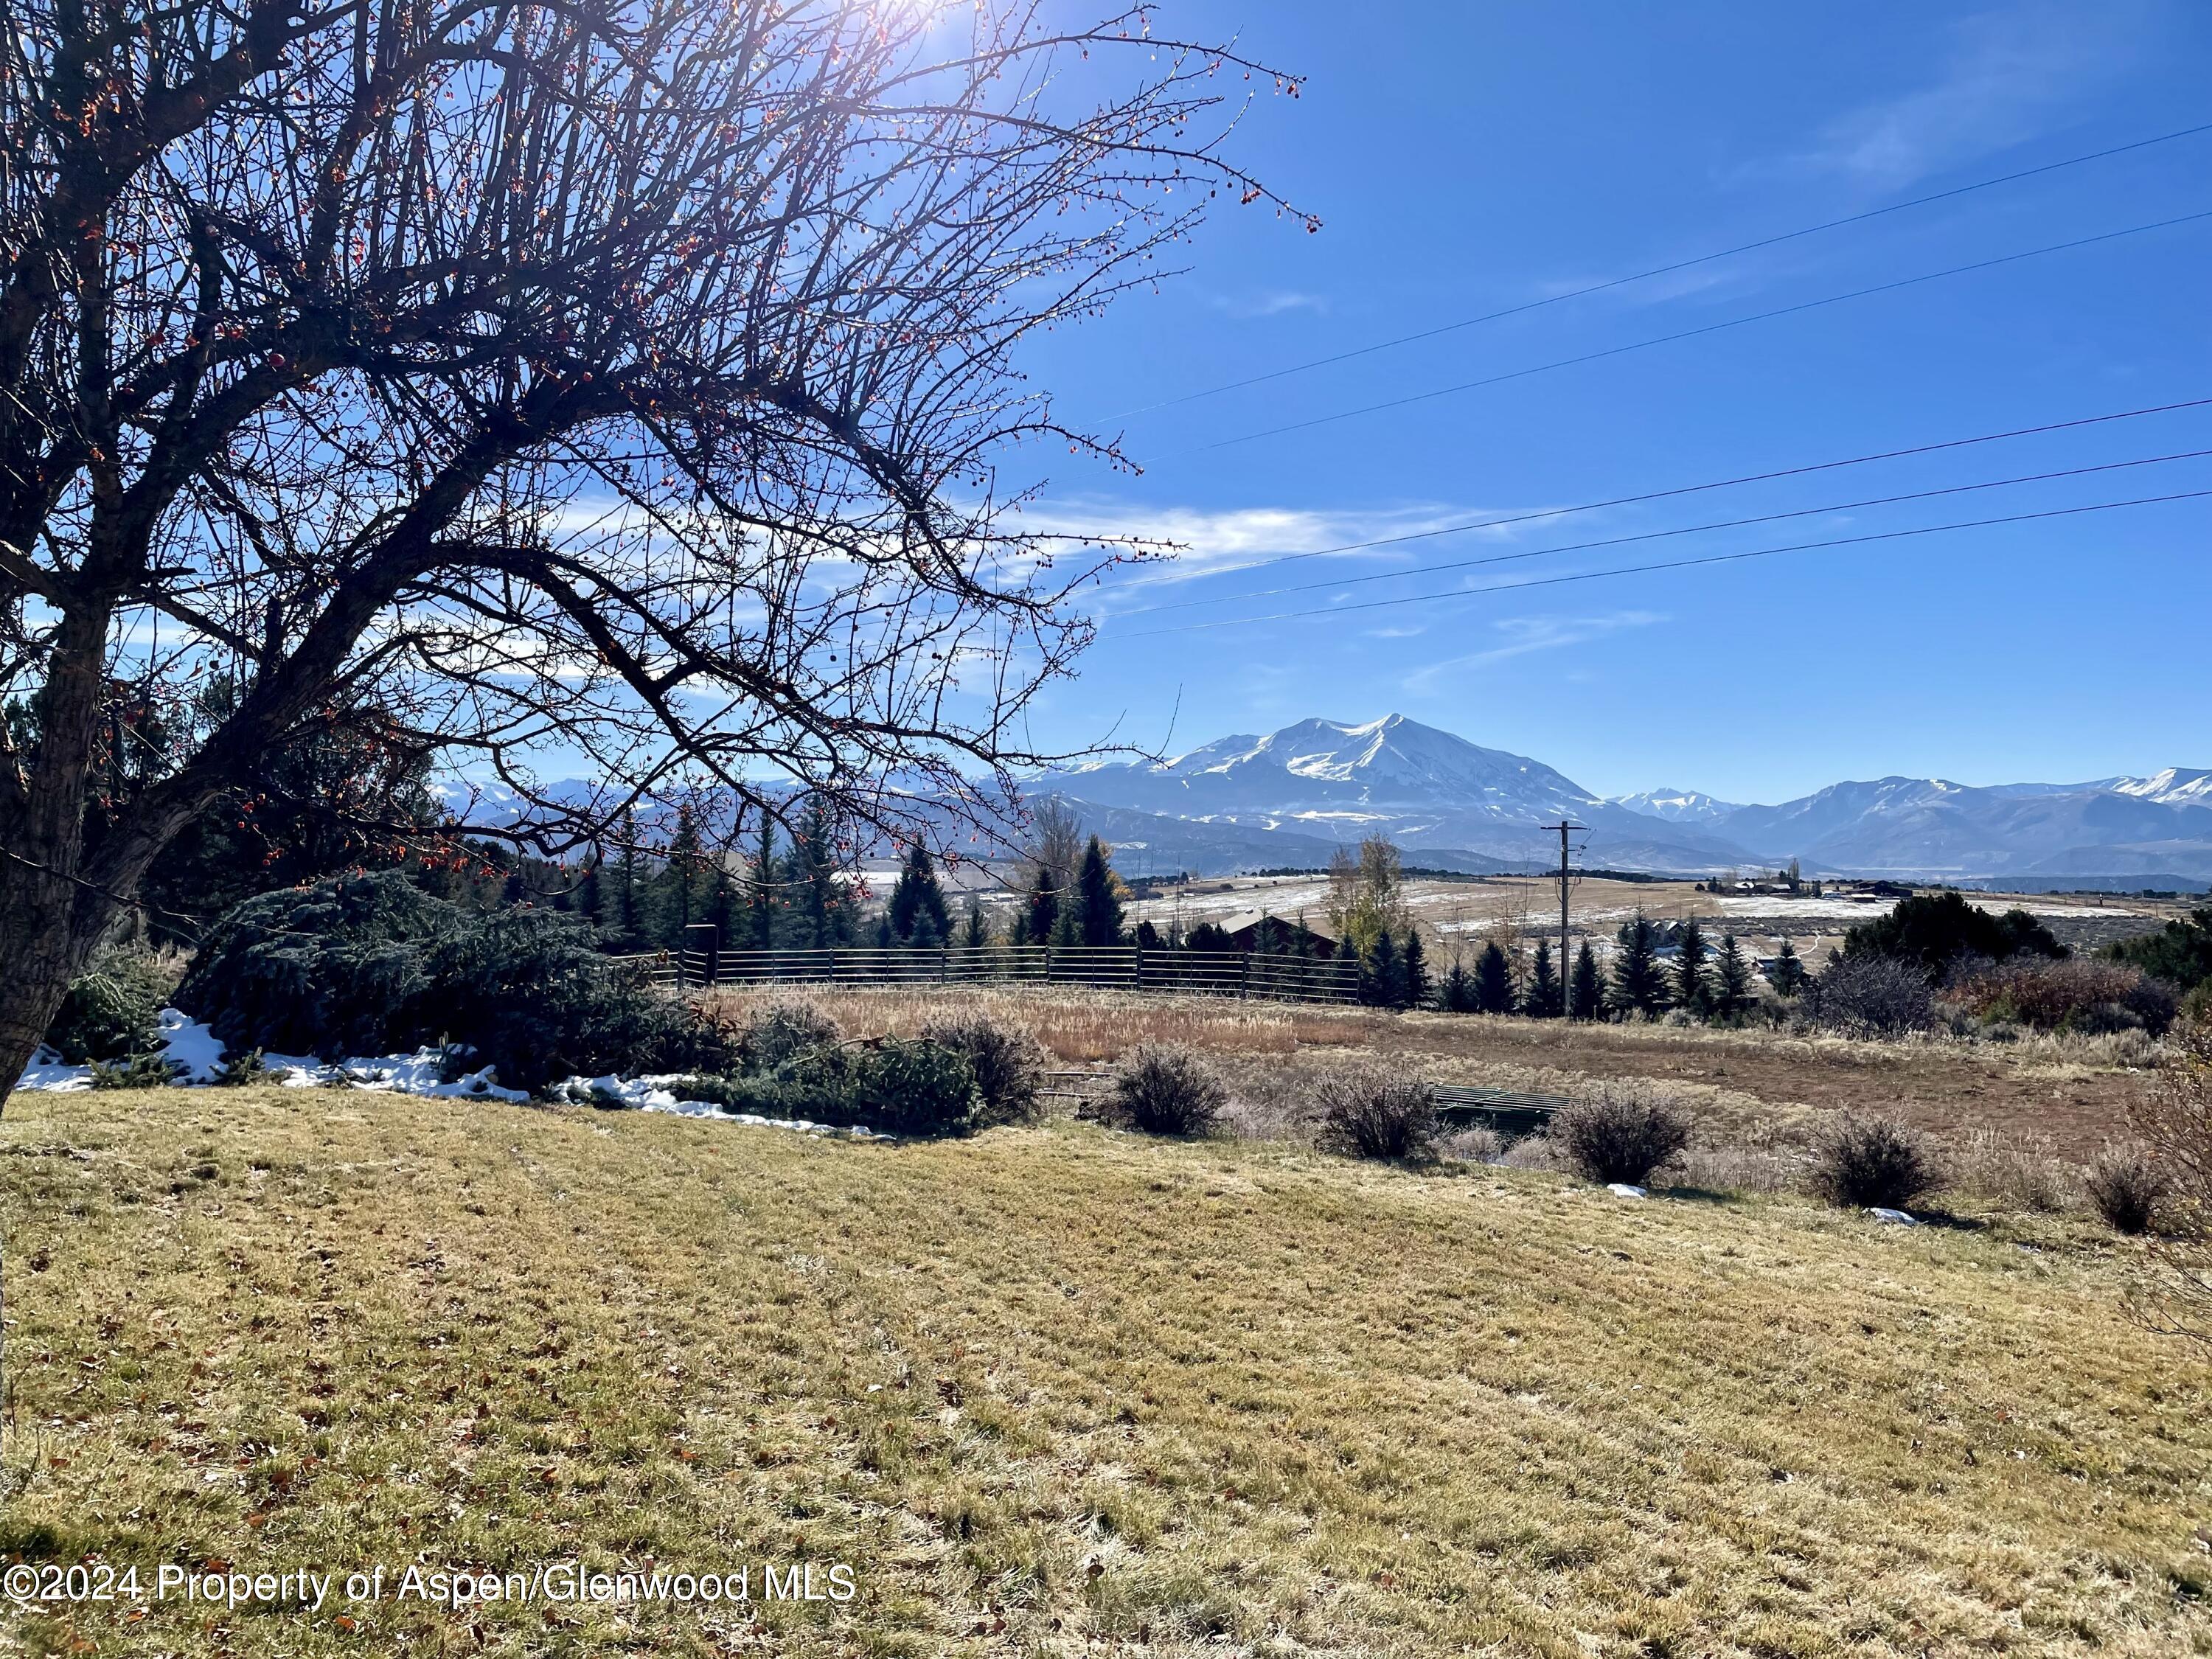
(826, 911)
(1692, 992)
(917, 910)
(1731, 979)
(1098, 908)
(1043, 907)
(763, 889)
(974, 932)
(723, 905)
(1456, 993)
(1067, 925)
(1212, 936)
(628, 890)
(1493, 981)
(1148, 937)
(1384, 979)
(1416, 969)
(1586, 992)
(1639, 986)
(678, 883)
(1542, 1001)
(589, 897)
(1789, 974)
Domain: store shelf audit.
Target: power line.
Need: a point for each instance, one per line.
(1659, 271)
(1685, 530)
(1699, 488)
(1677, 564)
(1694, 333)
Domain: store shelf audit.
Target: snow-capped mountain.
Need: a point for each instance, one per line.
(1677, 806)
(1422, 787)
(1933, 828)
(2174, 787)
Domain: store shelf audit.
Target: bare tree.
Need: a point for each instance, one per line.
(1054, 843)
(620, 379)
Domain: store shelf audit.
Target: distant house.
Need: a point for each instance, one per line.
(1290, 935)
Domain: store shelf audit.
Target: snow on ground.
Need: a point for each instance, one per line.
(195, 1053)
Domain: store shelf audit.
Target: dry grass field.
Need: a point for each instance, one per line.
(1058, 1391)
(2069, 1093)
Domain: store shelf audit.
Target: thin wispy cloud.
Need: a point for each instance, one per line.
(2007, 76)
(1209, 542)
(1267, 302)
(1521, 636)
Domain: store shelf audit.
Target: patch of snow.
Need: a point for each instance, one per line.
(48, 1071)
(188, 1043)
(1893, 1217)
(754, 1120)
(1622, 1189)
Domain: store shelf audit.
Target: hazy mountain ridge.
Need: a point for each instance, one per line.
(1291, 798)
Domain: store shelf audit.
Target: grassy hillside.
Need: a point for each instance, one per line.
(1053, 1385)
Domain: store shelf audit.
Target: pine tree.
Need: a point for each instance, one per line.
(1586, 994)
(1732, 979)
(918, 913)
(763, 889)
(1788, 974)
(1542, 1000)
(1043, 907)
(1456, 993)
(628, 918)
(589, 898)
(976, 934)
(1416, 969)
(825, 906)
(1692, 992)
(1639, 986)
(723, 905)
(1384, 980)
(1493, 981)
(678, 882)
(1098, 908)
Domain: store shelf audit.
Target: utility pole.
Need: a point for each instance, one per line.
(1566, 967)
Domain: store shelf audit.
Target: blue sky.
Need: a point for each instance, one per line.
(1468, 157)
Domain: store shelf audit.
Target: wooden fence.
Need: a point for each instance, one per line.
(1107, 967)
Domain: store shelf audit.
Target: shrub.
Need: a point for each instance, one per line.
(370, 965)
(777, 1033)
(918, 1088)
(1866, 1162)
(2016, 1170)
(138, 1072)
(109, 1011)
(1008, 1063)
(1165, 1089)
(2173, 1119)
(2085, 996)
(2126, 1187)
(242, 1070)
(2180, 952)
(894, 1087)
(1933, 930)
(1870, 996)
(1621, 1133)
(1370, 1113)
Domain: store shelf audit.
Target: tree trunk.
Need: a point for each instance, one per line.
(49, 927)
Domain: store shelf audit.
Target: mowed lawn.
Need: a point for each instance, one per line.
(1058, 1390)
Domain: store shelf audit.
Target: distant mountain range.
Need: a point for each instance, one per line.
(1289, 797)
